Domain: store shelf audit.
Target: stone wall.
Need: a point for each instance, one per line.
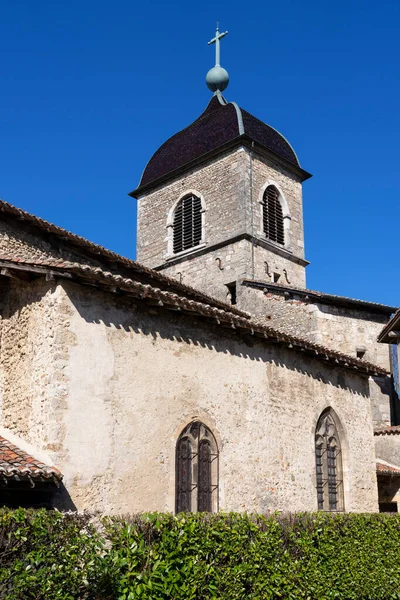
(338, 328)
(222, 182)
(33, 354)
(114, 383)
(212, 271)
(290, 186)
(232, 209)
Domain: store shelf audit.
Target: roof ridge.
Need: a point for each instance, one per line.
(101, 251)
(149, 291)
(319, 294)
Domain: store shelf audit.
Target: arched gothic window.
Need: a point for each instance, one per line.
(196, 470)
(187, 224)
(273, 226)
(328, 456)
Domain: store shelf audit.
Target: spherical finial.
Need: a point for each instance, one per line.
(217, 78)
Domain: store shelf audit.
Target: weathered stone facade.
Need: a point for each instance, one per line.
(101, 371)
(231, 187)
(114, 383)
(347, 329)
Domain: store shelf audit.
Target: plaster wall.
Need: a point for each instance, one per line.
(387, 448)
(341, 329)
(110, 402)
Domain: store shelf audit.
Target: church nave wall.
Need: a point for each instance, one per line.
(136, 377)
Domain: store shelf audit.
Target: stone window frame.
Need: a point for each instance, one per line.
(287, 218)
(205, 433)
(170, 254)
(342, 470)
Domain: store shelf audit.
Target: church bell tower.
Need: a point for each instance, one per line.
(220, 202)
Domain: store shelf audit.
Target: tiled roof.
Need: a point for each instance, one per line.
(314, 296)
(18, 465)
(111, 260)
(384, 469)
(219, 124)
(394, 323)
(170, 300)
(387, 430)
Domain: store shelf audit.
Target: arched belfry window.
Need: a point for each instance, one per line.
(187, 223)
(328, 456)
(196, 470)
(273, 225)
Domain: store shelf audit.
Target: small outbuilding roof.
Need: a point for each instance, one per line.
(313, 296)
(387, 430)
(221, 123)
(390, 334)
(383, 468)
(18, 465)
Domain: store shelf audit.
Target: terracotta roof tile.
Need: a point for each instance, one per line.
(107, 258)
(387, 430)
(383, 469)
(18, 464)
(313, 295)
(218, 315)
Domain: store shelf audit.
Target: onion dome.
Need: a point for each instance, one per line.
(222, 125)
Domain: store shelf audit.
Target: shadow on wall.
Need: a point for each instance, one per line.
(134, 317)
(62, 499)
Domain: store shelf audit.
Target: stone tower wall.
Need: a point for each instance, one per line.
(232, 210)
(223, 183)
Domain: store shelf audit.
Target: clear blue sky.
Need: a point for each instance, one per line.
(89, 90)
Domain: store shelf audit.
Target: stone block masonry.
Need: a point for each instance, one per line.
(233, 238)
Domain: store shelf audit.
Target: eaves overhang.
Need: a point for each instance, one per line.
(321, 297)
(390, 334)
(241, 140)
(168, 301)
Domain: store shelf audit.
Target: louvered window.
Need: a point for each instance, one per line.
(187, 223)
(196, 469)
(329, 470)
(273, 216)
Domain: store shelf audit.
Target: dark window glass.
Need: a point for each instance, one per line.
(184, 475)
(204, 477)
(196, 469)
(328, 462)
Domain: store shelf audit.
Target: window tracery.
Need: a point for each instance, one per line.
(329, 469)
(196, 469)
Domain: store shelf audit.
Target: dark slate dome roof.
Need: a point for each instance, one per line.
(220, 123)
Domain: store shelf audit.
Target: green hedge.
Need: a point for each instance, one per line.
(50, 555)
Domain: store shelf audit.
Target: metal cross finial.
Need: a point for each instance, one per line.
(215, 40)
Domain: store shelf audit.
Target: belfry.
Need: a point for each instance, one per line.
(221, 201)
